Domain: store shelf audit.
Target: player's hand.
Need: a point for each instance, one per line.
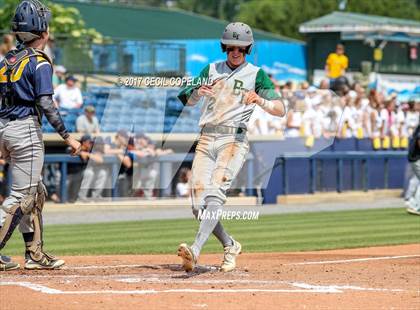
(252, 97)
(206, 91)
(74, 145)
(84, 155)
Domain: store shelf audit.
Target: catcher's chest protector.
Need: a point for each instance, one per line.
(11, 69)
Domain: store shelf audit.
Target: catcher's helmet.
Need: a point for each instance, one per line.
(30, 20)
(237, 34)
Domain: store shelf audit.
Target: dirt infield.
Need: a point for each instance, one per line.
(367, 278)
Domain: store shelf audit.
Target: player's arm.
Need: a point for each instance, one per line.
(266, 96)
(190, 95)
(46, 105)
(345, 64)
(96, 157)
(125, 160)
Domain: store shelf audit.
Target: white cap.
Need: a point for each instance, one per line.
(61, 69)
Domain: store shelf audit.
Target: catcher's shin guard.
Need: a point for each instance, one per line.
(14, 216)
(34, 246)
(35, 257)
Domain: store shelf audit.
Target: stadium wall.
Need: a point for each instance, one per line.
(284, 60)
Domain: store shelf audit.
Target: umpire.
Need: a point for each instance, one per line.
(26, 91)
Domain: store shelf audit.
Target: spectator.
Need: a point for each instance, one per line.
(303, 86)
(51, 175)
(125, 175)
(183, 188)
(68, 95)
(59, 75)
(95, 174)
(262, 123)
(294, 124)
(412, 117)
(3, 51)
(49, 48)
(324, 84)
(75, 170)
(336, 64)
(388, 117)
(9, 42)
(88, 122)
(146, 174)
(123, 148)
(330, 125)
(312, 120)
(119, 147)
(376, 123)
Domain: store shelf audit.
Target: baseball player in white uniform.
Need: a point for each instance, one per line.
(237, 88)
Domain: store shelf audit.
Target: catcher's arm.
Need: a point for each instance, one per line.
(45, 105)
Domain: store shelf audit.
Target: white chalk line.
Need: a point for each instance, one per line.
(343, 261)
(47, 290)
(153, 278)
(301, 288)
(344, 287)
(149, 279)
(128, 266)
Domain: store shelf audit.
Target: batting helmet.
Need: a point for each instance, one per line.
(237, 34)
(30, 20)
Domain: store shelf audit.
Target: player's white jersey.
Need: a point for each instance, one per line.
(227, 107)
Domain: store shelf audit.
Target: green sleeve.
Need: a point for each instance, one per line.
(264, 87)
(185, 93)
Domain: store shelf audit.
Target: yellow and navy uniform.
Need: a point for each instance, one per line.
(31, 79)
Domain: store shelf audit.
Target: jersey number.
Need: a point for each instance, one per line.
(16, 74)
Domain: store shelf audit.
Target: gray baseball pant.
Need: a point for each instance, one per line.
(22, 146)
(415, 200)
(218, 160)
(94, 177)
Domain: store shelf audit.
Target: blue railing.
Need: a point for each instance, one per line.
(166, 163)
(360, 161)
(339, 158)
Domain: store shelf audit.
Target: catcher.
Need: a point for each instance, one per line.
(26, 91)
(222, 147)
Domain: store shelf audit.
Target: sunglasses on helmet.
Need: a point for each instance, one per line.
(240, 49)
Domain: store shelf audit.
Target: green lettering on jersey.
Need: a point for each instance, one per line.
(237, 87)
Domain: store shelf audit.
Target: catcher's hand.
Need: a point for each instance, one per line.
(74, 145)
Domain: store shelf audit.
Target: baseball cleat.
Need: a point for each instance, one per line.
(187, 255)
(46, 262)
(6, 264)
(413, 211)
(229, 258)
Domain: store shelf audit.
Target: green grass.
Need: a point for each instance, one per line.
(273, 233)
